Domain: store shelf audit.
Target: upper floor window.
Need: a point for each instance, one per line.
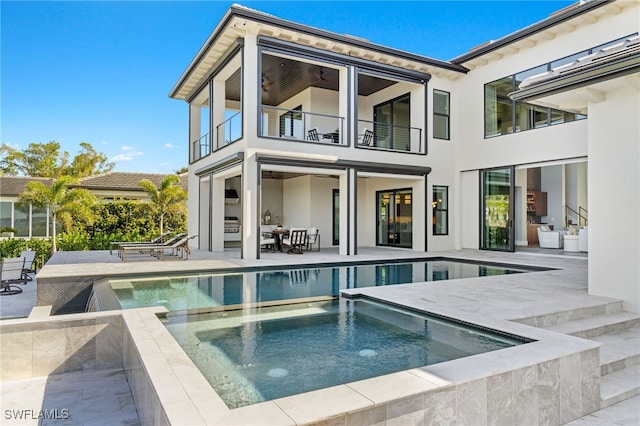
(441, 114)
(392, 121)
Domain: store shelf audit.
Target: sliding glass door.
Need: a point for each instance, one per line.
(497, 207)
(395, 218)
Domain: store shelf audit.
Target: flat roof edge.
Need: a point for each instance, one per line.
(553, 20)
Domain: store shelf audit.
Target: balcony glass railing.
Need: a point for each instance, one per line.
(302, 126)
(200, 147)
(389, 137)
(229, 131)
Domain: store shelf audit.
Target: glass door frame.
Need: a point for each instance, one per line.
(484, 231)
(393, 193)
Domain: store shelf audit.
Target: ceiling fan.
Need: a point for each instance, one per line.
(320, 76)
(266, 84)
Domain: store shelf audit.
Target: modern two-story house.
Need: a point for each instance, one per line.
(293, 125)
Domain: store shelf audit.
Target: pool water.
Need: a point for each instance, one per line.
(281, 351)
(269, 285)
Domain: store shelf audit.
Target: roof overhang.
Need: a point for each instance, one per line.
(553, 21)
(239, 20)
(587, 78)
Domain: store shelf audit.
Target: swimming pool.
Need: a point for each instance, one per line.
(269, 353)
(274, 285)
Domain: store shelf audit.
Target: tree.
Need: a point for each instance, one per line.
(181, 170)
(45, 160)
(168, 198)
(71, 207)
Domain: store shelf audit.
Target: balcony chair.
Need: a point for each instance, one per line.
(313, 135)
(367, 138)
(10, 275)
(296, 240)
(313, 237)
(550, 239)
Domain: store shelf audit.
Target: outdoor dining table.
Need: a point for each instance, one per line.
(278, 234)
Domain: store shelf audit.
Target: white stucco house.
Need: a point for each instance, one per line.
(380, 147)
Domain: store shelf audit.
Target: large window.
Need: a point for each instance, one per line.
(440, 206)
(392, 124)
(5, 214)
(441, 114)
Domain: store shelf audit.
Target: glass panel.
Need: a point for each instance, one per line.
(291, 124)
(21, 219)
(440, 114)
(336, 217)
(5, 214)
(382, 126)
(440, 127)
(440, 210)
(38, 222)
(395, 218)
(498, 107)
(401, 124)
(522, 76)
(385, 222)
(496, 200)
(531, 116)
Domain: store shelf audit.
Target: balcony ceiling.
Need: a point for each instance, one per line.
(282, 78)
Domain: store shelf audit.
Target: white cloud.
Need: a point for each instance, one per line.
(128, 156)
(169, 145)
(126, 148)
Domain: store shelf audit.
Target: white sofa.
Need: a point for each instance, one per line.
(550, 239)
(583, 239)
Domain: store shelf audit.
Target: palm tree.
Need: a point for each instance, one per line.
(69, 206)
(170, 196)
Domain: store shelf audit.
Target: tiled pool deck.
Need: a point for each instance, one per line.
(491, 301)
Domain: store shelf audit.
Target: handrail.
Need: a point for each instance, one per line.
(200, 147)
(307, 121)
(405, 132)
(582, 219)
(228, 136)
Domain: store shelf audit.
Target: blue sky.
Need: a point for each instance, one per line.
(100, 72)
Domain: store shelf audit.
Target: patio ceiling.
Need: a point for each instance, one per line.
(282, 78)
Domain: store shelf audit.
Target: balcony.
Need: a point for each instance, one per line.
(229, 131)
(389, 137)
(302, 126)
(200, 147)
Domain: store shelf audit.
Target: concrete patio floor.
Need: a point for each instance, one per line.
(506, 297)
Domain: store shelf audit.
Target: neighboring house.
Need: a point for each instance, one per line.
(381, 147)
(30, 221)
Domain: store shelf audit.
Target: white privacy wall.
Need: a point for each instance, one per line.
(614, 197)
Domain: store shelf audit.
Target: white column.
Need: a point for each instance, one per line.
(217, 214)
(250, 208)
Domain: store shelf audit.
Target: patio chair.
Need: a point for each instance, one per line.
(180, 247)
(267, 242)
(10, 275)
(296, 240)
(314, 135)
(367, 138)
(313, 237)
(29, 257)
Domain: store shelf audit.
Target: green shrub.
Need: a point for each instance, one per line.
(12, 247)
(73, 241)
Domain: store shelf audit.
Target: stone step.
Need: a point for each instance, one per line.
(549, 320)
(619, 350)
(597, 325)
(620, 385)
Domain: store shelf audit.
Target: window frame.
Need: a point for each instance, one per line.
(437, 208)
(439, 114)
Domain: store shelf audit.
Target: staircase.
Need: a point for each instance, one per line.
(618, 332)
